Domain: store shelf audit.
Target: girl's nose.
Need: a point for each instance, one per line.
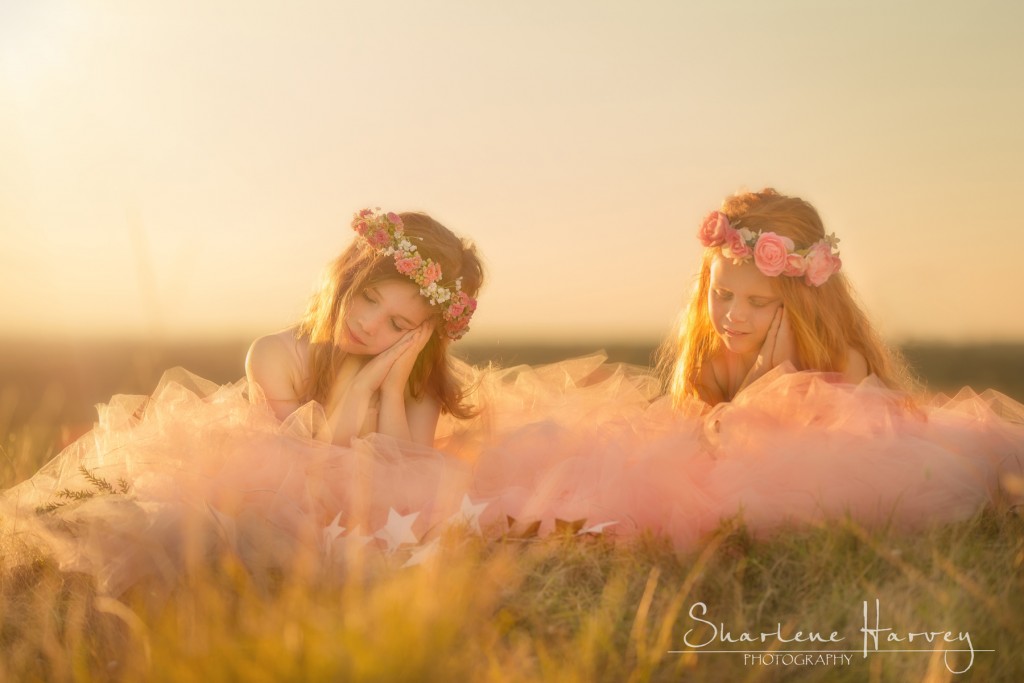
(369, 322)
(736, 312)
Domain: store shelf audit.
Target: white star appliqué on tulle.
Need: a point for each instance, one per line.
(331, 533)
(596, 529)
(398, 530)
(424, 554)
(468, 515)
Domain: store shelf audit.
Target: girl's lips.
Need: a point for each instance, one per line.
(734, 333)
(353, 335)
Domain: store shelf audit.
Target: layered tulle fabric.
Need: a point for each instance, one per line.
(795, 447)
(164, 481)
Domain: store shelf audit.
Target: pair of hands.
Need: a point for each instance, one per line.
(778, 347)
(388, 371)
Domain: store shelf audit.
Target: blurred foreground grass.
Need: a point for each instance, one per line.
(561, 609)
(564, 608)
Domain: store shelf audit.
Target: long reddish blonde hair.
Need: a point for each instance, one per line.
(826, 321)
(360, 266)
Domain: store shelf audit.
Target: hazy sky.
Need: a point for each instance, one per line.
(182, 168)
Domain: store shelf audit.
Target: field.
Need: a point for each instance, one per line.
(564, 608)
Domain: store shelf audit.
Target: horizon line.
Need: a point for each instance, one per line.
(488, 340)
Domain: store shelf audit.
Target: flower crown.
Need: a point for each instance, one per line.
(773, 254)
(385, 234)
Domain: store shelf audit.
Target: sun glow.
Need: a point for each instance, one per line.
(234, 140)
(36, 42)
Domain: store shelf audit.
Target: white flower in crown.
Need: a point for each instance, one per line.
(383, 232)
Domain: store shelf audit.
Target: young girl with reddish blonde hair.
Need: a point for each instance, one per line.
(782, 406)
(770, 290)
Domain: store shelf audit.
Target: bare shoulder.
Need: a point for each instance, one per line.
(279, 348)
(856, 366)
(275, 362)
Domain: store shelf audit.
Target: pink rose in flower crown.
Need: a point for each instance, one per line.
(456, 328)
(837, 263)
(455, 310)
(395, 219)
(408, 265)
(796, 265)
(360, 227)
(431, 274)
(821, 264)
(735, 246)
(714, 228)
(378, 238)
(770, 253)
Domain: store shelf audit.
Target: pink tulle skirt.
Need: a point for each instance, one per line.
(794, 448)
(166, 480)
(196, 469)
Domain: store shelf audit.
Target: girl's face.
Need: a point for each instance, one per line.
(741, 303)
(380, 315)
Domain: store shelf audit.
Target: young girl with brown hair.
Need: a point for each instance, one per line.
(331, 433)
(372, 347)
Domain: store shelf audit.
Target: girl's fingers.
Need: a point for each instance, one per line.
(405, 339)
(784, 344)
(422, 335)
(393, 352)
(773, 331)
(378, 368)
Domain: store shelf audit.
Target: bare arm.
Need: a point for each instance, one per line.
(273, 365)
(347, 407)
(386, 375)
(402, 416)
(409, 419)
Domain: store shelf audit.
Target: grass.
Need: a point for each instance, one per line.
(560, 609)
(564, 608)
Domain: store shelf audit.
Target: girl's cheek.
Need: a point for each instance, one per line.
(714, 313)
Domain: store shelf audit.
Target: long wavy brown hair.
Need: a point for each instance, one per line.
(826, 320)
(360, 266)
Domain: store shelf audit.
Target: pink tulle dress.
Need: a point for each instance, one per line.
(793, 448)
(196, 469)
(167, 480)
